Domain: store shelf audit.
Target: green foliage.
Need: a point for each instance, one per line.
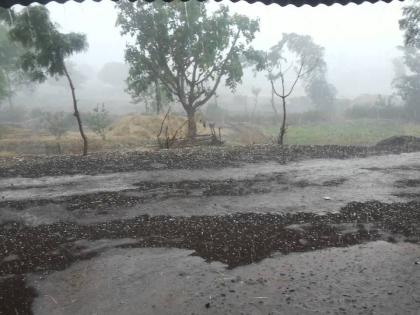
(47, 48)
(358, 132)
(410, 24)
(99, 121)
(296, 51)
(78, 77)
(293, 52)
(347, 132)
(189, 49)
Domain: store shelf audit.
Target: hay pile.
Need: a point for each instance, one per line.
(146, 127)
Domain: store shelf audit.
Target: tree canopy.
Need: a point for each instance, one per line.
(47, 46)
(410, 24)
(187, 48)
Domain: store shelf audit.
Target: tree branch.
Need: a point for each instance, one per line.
(216, 85)
(298, 76)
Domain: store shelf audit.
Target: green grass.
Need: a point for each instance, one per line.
(361, 132)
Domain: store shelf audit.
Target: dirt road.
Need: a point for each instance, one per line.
(310, 236)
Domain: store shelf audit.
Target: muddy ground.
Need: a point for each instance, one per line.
(251, 230)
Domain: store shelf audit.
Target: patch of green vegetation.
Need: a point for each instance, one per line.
(357, 132)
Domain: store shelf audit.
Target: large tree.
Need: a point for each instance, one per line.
(47, 50)
(188, 49)
(294, 58)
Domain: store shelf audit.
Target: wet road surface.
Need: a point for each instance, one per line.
(309, 186)
(275, 261)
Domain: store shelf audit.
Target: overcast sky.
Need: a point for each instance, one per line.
(360, 40)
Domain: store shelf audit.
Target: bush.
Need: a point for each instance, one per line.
(99, 121)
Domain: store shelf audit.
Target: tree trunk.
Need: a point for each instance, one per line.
(192, 125)
(76, 113)
(273, 105)
(158, 97)
(283, 124)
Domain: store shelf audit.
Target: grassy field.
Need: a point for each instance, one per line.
(139, 132)
(361, 132)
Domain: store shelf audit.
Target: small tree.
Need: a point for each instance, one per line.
(56, 125)
(99, 121)
(295, 58)
(47, 49)
(186, 48)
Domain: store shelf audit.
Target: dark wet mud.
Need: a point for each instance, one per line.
(148, 191)
(15, 296)
(235, 240)
(187, 158)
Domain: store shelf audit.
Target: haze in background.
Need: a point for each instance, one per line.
(360, 40)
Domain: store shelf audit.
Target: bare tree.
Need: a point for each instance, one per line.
(295, 58)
